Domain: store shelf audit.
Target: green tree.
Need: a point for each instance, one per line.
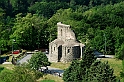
(47, 9)
(19, 6)
(70, 17)
(89, 70)
(118, 34)
(2, 25)
(78, 69)
(98, 40)
(120, 55)
(5, 30)
(29, 31)
(21, 73)
(100, 72)
(6, 6)
(38, 60)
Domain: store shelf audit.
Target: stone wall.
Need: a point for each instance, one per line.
(65, 48)
(53, 53)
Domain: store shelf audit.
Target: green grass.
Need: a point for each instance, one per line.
(50, 77)
(3, 69)
(47, 81)
(60, 65)
(115, 64)
(8, 66)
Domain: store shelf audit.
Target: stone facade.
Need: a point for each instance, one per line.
(65, 48)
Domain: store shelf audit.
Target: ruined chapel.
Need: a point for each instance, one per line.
(65, 48)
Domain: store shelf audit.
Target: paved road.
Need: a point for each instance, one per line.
(105, 56)
(51, 70)
(55, 71)
(109, 56)
(25, 59)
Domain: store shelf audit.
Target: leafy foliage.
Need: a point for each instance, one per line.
(30, 35)
(47, 9)
(32, 23)
(6, 76)
(20, 74)
(38, 60)
(120, 54)
(101, 72)
(89, 69)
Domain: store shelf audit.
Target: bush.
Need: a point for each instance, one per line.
(38, 60)
(21, 73)
(6, 76)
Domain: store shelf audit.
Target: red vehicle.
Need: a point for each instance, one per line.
(16, 52)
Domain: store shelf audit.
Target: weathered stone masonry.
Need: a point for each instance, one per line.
(65, 48)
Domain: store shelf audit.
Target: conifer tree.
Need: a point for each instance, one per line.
(89, 70)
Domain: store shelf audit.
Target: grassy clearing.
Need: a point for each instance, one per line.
(115, 64)
(61, 65)
(45, 78)
(48, 81)
(8, 66)
(50, 77)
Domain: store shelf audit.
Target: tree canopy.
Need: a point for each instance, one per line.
(32, 23)
(21, 73)
(89, 70)
(38, 60)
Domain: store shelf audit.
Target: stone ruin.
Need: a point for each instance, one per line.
(66, 47)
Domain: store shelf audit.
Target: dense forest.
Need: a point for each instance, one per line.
(31, 24)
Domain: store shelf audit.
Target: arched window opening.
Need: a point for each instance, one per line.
(68, 51)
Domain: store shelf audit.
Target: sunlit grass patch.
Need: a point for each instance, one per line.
(60, 65)
(50, 77)
(8, 66)
(115, 64)
(48, 81)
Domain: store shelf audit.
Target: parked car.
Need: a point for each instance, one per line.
(16, 51)
(98, 54)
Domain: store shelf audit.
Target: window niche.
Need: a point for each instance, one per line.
(61, 32)
(68, 51)
(54, 48)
